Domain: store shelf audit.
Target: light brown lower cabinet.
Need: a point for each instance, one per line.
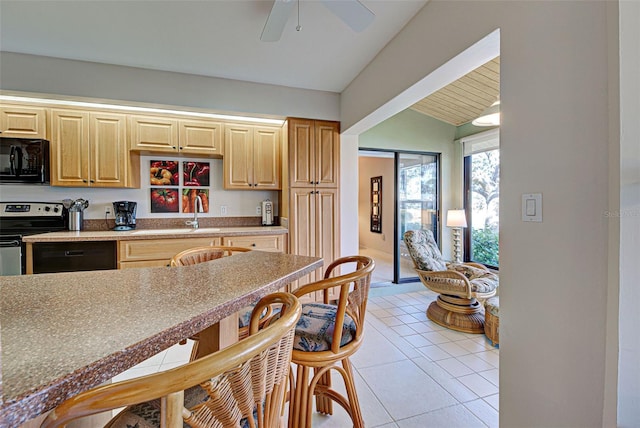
(158, 252)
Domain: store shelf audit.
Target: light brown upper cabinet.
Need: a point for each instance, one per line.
(166, 135)
(89, 149)
(23, 122)
(313, 153)
(251, 157)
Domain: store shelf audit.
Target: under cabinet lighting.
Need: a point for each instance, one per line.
(278, 122)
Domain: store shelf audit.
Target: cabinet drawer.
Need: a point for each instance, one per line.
(159, 249)
(261, 242)
(144, 263)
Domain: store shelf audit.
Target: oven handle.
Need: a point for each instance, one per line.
(6, 244)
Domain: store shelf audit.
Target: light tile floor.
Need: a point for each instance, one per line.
(410, 372)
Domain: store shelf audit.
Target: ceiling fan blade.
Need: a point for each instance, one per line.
(278, 17)
(352, 12)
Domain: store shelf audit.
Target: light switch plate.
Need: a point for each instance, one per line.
(532, 207)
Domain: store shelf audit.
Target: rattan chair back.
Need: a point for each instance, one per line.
(197, 255)
(243, 382)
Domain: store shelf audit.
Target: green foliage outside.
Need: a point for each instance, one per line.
(485, 246)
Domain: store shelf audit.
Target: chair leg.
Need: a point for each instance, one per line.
(300, 403)
(352, 394)
(324, 404)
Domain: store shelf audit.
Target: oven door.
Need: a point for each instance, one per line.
(10, 255)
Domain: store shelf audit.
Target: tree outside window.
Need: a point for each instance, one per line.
(482, 182)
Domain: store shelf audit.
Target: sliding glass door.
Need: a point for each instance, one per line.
(417, 204)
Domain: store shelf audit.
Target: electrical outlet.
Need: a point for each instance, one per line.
(107, 210)
(223, 210)
(259, 210)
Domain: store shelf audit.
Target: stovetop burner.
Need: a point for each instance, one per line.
(29, 218)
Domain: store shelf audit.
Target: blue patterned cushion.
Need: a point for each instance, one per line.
(314, 331)
(244, 315)
(147, 414)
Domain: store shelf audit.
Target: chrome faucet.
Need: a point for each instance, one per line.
(198, 208)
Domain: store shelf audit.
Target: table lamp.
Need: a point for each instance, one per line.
(456, 220)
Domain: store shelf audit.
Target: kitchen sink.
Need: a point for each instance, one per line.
(206, 230)
(174, 231)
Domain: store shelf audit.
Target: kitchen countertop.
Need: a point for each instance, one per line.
(112, 235)
(64, 333)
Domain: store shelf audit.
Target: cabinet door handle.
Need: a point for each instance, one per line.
(311, 192)
(84, 181)
(92, 181)
(73, 253)
(253, 245)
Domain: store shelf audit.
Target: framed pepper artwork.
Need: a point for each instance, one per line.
(189, 200)
(164, 200)
(195, 174)
(163, 173)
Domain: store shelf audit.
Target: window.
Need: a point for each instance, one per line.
(482, 190)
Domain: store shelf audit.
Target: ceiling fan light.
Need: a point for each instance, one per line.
(489, 117)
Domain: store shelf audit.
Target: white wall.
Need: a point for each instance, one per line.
(554, 140)
(629, 216)
(38, 74)
(348, 199)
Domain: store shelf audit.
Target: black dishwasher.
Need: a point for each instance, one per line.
(50, 257)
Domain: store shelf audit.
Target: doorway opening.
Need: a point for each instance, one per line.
(409, 200)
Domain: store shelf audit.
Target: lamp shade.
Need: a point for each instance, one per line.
(456, 218)
(489, 117)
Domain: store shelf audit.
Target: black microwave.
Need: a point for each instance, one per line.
(24, 160)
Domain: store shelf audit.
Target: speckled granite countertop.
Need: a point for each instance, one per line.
(111, 235)
(64, 333)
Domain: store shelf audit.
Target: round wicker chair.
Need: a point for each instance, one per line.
(459, 285)
(241, 385)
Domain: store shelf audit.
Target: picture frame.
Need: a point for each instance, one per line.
(376, 204)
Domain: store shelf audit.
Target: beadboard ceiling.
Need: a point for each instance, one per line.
(463, 100)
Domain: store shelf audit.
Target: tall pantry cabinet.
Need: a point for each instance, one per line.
(313, 171)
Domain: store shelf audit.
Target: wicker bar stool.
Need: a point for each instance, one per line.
(326, 336)
(242, 385)
(203, 254)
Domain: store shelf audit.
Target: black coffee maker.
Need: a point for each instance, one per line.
(125, 215)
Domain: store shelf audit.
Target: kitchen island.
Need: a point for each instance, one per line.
(64, 333)
(152, 247)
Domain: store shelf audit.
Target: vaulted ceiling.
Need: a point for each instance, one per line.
(463, 100)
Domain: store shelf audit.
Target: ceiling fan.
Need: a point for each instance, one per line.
(351, 12)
